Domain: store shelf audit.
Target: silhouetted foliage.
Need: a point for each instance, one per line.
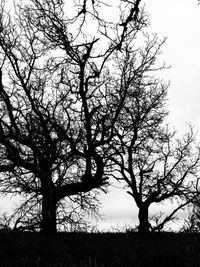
(59, 101)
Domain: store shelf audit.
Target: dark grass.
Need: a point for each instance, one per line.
(99, 249)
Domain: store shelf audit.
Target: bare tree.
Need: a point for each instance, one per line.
(59, 101)
(155, 165)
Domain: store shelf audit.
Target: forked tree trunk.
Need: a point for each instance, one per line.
(144, 226)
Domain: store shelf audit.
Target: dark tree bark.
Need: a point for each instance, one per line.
(143, 216)
(48, 224)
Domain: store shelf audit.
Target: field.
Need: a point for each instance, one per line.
(99, 250)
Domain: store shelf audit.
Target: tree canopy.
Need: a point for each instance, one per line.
(80, 103)
(59, 99)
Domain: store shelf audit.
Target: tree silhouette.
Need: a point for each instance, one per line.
(154, 164)
(59, 101)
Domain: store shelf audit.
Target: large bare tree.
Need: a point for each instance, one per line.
(59, 100)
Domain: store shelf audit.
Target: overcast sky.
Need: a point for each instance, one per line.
(179, 21)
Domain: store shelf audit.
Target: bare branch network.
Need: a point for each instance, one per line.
(80, 104)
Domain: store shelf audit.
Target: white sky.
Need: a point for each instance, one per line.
(179, 21)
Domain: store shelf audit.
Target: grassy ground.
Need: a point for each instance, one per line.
(102, 250)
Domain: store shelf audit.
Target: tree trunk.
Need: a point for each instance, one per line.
(48, 215)
(48, 201)
(144, 226)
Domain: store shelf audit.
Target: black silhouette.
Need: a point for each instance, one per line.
(59, 102)
(154, 164)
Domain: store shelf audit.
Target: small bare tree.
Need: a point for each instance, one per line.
(154, 164)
